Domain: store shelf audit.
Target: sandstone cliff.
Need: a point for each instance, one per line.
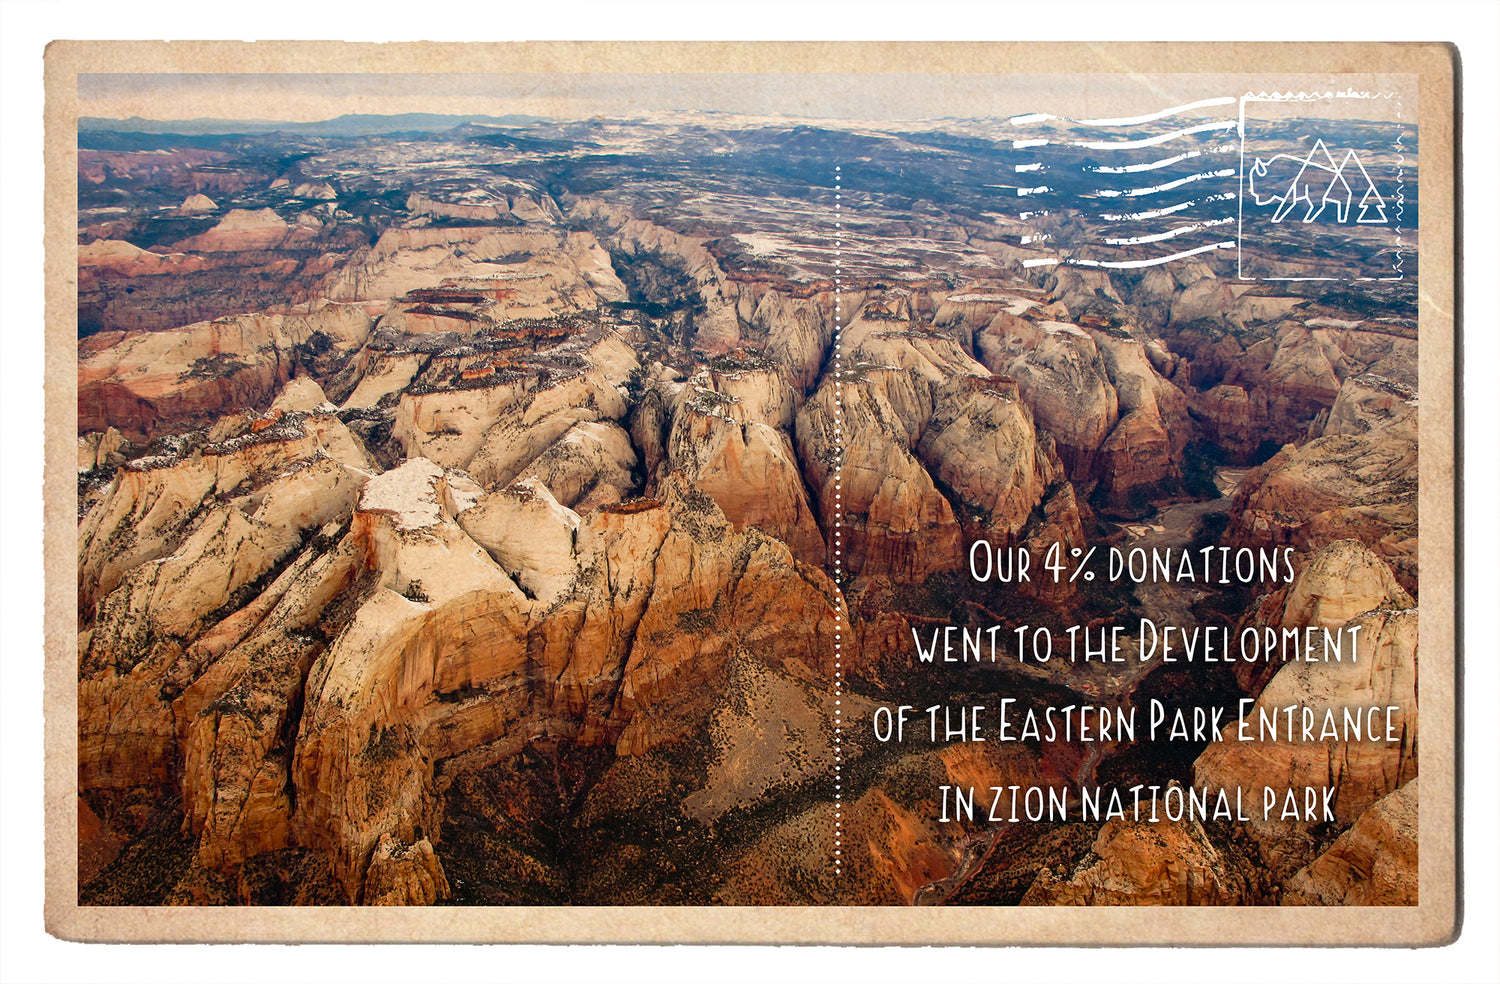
(1135, 863)
(1374, 862)
(1361, 770)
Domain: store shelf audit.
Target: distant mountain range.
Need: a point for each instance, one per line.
(348, 125)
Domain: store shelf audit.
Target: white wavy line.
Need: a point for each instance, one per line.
(1029, 167)
(1036, 263)
(1164, 162)
(1154, 214)
(1023, 192)
(1133, 120)
(1160, 139)
(1023, 144)
(1032, 118)
(1137, 264)
(1304, 96)
(1400, 191)
(1159, 212)
(1137, 192)
(1179, 231)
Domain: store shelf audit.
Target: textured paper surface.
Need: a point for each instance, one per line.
(1432, 922)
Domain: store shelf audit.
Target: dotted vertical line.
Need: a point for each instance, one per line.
(838, 520)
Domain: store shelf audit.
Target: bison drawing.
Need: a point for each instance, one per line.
(1316, 182)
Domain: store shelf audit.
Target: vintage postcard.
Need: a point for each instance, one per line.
(751, 492)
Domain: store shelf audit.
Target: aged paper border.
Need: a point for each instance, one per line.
(1435, 921)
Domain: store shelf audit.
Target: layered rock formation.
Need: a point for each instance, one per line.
(731, 436)
(918, 448)
(1145, 864)
(1100, 393)
(1279, 389)
(1374, 862)
(191, 376)
(1382, 672)
(559, 272)
(1335, 584)
(442, 652)
(1336, 487)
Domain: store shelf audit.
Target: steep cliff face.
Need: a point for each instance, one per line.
(1335, 488)
(1139, 461)
(201, 584)
(889, 501)
(141, 383)
(934, 448)
(1353, 478)
(1062, 377)
(982, 446)
(156, 501)
(496, 421)
(518, 204)
(405, 874)
(1100, 394)
(372, 727)
(1146, 864)
(313, 710)
(1374, 862)
(1364, 855)
(730, 436)
(798, 330)
(1250, 394)
(1335, 584)
(1380, 672)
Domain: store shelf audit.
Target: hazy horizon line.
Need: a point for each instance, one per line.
(870, 96)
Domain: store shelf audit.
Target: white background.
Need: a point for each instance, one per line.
(25, 27)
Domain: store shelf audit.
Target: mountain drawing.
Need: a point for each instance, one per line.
(1316, 182)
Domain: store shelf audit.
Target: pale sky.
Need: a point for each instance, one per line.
(909, 96)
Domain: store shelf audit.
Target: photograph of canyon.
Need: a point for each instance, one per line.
(553, 506)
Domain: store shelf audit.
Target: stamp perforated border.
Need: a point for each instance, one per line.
(1398, 197)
